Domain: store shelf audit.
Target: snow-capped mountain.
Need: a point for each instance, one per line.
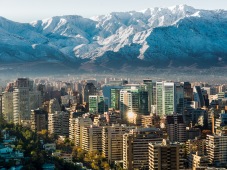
(178, 36)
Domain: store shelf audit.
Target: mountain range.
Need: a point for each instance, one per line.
(175, 37)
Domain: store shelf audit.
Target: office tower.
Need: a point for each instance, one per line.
(38, 120)
(135, 147)
(166, 156)
(92, 138)
(133, 102)
(129, 101)
(96, 104)
(169, 98)
(159, 98)
(165, 98)
(198, 96)
(176, 128)
(143, 102)
(101, 105)
(93, 103)
(112, 142)
(216, 146)
(154, 93)
(129, 104)
(149, 89)
(115, 99)
(25, 98)
(112, 95)
(87, 90)
(188, 91)
(180, 98)
(58, 123)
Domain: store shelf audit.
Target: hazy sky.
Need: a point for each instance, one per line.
(30, 10)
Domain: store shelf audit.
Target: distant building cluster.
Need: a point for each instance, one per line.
(147, 125)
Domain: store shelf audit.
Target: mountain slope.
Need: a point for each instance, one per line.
(178, 36)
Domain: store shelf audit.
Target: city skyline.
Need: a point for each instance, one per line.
(56, 110)
(28, 11)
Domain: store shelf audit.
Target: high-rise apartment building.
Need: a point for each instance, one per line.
(18, 99)
(176, 128)
(147, 120)
(92, 138)
(112, 142)
(72, 127)
(197, 161)
(38, 120)
(58, 123)
(135, 147)
(77, 126)
(7, 106)
(54, 106)
(25, 98)
(166, 156)
(216, 146)
(196, 145)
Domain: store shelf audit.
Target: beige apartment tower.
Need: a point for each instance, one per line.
(77, 129)
(112, 142)
(38, 120)
(165, 156)
(92, 138)
(135, 147)
(216, 146)
(58, 123)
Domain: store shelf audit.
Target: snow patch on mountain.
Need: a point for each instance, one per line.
(176, 35)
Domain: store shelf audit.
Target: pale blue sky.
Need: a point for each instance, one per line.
(30, 10)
